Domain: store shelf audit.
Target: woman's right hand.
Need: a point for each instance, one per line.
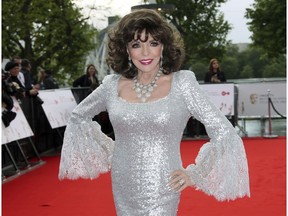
(180, 180)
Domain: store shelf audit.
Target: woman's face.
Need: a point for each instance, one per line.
(91, 70)
(215, 65)
(145, 55)
(14, 71)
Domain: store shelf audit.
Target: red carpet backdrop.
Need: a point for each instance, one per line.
(40, 193)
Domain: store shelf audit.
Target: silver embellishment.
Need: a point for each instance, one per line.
(145, 91)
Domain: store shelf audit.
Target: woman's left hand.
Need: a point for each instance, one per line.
(180, 180)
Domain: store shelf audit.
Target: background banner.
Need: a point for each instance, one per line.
(19, 128)
(222, 95)
(58, 106)
(253, 99)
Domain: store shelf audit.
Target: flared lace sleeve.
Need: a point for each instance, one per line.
(220, 167)
(86, 151)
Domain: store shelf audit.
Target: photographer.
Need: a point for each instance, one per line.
(14, 71)
(8, 90)
(29, 81)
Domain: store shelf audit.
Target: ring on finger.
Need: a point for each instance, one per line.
(181, 182)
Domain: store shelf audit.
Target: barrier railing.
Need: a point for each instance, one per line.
(45, 123)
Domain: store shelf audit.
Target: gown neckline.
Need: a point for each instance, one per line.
(148, 102)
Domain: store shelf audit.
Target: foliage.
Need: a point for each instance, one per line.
(230, 66)
(50, 34)
(247, 72)
(275, 67)
(204, 31)
(202, 26)
(54, 34)
(268, 25)
(199, 68)
(249, 63)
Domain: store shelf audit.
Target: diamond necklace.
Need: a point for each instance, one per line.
(143, 92)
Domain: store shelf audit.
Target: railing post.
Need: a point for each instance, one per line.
(269, 135)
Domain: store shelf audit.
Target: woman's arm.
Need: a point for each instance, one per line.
(221, 166)
(86, 150)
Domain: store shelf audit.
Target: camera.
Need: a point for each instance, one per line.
(13, 89)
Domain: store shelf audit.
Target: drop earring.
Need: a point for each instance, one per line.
(161, 61)
(129, 62)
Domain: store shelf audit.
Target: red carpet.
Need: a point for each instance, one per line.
(40, 193)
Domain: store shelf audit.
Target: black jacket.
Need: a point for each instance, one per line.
(84, 81)
(220, 76)
(49, 83)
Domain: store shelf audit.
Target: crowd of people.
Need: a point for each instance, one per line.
(14, 84)
(18, 81)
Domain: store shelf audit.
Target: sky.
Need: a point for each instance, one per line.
(234, 11)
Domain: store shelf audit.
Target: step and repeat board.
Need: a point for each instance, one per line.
(253, 99)
(19, 128)
(58, 106)
(222, 96)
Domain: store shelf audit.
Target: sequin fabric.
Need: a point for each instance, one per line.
(147, 147)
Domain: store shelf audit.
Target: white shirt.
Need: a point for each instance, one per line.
(21, 78)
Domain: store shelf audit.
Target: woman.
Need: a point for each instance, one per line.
(46, 80)
(89, 79)
(214, 75)
(149, 103)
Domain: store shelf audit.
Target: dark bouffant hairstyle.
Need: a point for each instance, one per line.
(155, 25)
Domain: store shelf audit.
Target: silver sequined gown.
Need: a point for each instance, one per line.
(147, 147)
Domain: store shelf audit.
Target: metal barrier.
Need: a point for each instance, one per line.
(16, 154)
(40, 132)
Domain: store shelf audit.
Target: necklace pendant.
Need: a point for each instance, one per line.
(147, 94)
(151, 88)
(143, 92)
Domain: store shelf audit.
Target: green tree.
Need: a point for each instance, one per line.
(253, 64)
(199, 68)
(50, 34)
(247, 72)
(275, 68)
(253, 57)
(202, 26)
(229, 65)
(268, 25)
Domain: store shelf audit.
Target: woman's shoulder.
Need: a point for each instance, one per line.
(111, 78)
(185, 75)
(81, 78)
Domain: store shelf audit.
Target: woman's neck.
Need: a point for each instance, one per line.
(146, 77)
